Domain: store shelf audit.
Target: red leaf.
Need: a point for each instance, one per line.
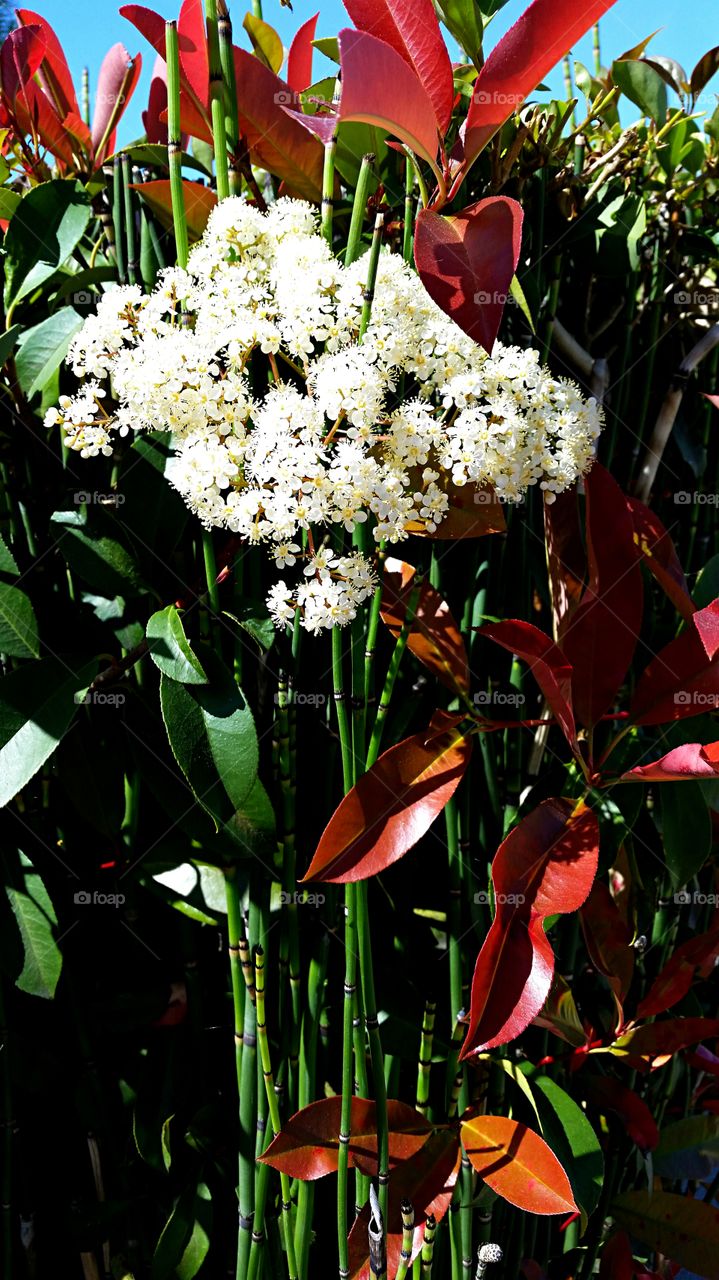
(601, 636)
(536, 42)
(545, 866)
(379, 88)
(155, 128)
(307, 1146)
(546, 662)
(411, 28)
(565, 556)
(671, 985)
(299, 58)
(21, 54)
(193, 114)
(691, 760)
(474, 510)
(466, 262)
(659, 555)
(607, 1094)
(427, 1181)
(608, 940)
(653, 1044)
(434, 636)
(517, 1164)
(55, 73)
(199, 203)
(616, 1261)
(192, 43)
(36, 116)
(683, 679)
(394, 804)
(276, 140)
(116, 82)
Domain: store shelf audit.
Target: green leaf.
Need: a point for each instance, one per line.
(154, 156)
(253, 617)
(165, 1140)
(517, 292)
(573, 1140)
(37, 704)
(185, 1242)
(329, 47)
(7, 342)
(93, 550)
(643, 86)
(213, 738)
(686, 831)
(266, 43)
(9, 201)
(43, 233)
(18, 624)
(689, 1148)
(43, 348)
(8, 563)
(463, 20)
(35, 917)
(685, 1230)
(170, 649)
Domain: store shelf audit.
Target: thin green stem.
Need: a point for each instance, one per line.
(174, 143)
(405, 1257)
(273, 1105)
(350, 986)
(232, 122)
(408, 237)
(425, 1058)
(395, 660)
(328, 188)
(359, 208)
(217, 101)
(379, 1086)
(371, 274)
(131, 238)
(118, 219)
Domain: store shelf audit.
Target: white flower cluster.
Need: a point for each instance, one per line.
(284, 425)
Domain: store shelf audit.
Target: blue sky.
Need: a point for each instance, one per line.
(87, 28)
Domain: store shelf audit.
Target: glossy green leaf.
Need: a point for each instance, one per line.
(7, 342)
(8, 563)
(212, 734)
(170, 649)
(18, 624)
(43, 348)
(265, 42)
(643, 86)
(36, 920)
(572, 1138)
(42, 234)
(185, 1242)
(37, 704)
(253, 617)
(9, 201)
(463, 20)
(686, 831)
(94, 550)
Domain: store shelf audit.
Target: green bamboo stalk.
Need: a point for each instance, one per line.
(248, 1099)
(359, 208)
(235, 932)
(273, 1107)
(430, 1231)
(361, 1086)
(6, 1179)
(371, 274)
(379, 1087)
(149, 264)
(341, 708)
(85, 96)
(316, 979)
(377, 1239)
(290, 929)
(217, 101)
(350, 986)
(408, 237)
(257, 8)
(425, 1058)
(395, 660)
(232, 121)
(372, 629)
(131, 238)
(405, 1257)
(174, 143)
(328, 188)
(597, 49)
(118, 220)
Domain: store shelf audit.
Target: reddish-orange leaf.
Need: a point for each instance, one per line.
(609, 943)
(299, 58)
(698, 955)
(54, 74)
(473, 511)
(199, 203)
(275, 138)
(427, 1181)
(652, 1045)
(394, 804)
(307, 1146)
(659, 555)
(545, 866)
(691, 760)
(609, 1095)
(546, 662)
(517, 1164)
(616, 1261)
(434, 636)
(683, 679)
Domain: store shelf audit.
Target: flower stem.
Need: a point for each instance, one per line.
(174, 143)
(359, 208)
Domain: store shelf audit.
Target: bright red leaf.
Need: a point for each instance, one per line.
(299, 58)
(609, 942)
(600, 638)
(691, 760)
(565, 556)
(192, 45)
(683, 679)
(545, 866)
(616, 1262)
(529, 50)
(116, 83)
(517, 1164)
(21, 55)
(412, 30)
(609, 1095)
(434, 637)
(275, 138)
(466, 262)
(393, 804)
(54, 74)
(379, 88)
(307, 1147)
(546, 662)
(697, 956)
(660, 556)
